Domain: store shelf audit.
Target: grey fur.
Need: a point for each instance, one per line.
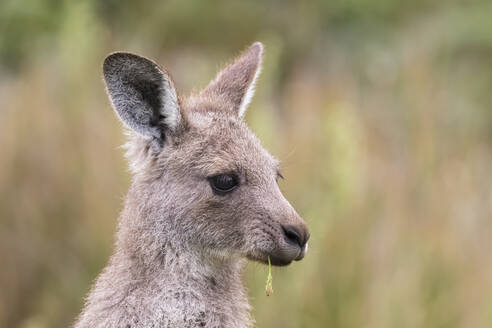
(180, 248)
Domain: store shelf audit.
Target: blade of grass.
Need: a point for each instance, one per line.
(269, 286)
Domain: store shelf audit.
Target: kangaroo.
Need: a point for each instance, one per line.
(204, 199)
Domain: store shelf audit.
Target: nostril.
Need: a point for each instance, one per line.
(294, 236)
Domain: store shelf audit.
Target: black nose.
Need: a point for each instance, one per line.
(295, 235)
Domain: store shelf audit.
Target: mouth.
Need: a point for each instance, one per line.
(281, 256)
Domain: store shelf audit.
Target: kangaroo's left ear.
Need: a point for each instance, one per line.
(236, 82)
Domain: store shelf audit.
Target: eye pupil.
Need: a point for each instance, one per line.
(223, 183)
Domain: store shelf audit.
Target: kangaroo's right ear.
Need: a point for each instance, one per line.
(142, 94)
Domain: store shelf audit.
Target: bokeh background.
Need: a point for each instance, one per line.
(380, 111)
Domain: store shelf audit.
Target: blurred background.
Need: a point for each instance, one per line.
(380, 111)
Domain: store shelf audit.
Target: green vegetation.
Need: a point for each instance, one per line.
(380, 111)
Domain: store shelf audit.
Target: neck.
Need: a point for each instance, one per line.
(166, 284)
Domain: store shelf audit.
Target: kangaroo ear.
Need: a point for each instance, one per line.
(142, 94)
(236, 82)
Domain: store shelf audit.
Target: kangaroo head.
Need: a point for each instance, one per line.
(200, 174)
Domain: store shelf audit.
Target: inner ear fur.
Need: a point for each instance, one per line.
(142, 94)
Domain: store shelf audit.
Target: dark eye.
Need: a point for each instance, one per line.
(223, 183)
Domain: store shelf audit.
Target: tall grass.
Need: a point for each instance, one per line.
(380, 113)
